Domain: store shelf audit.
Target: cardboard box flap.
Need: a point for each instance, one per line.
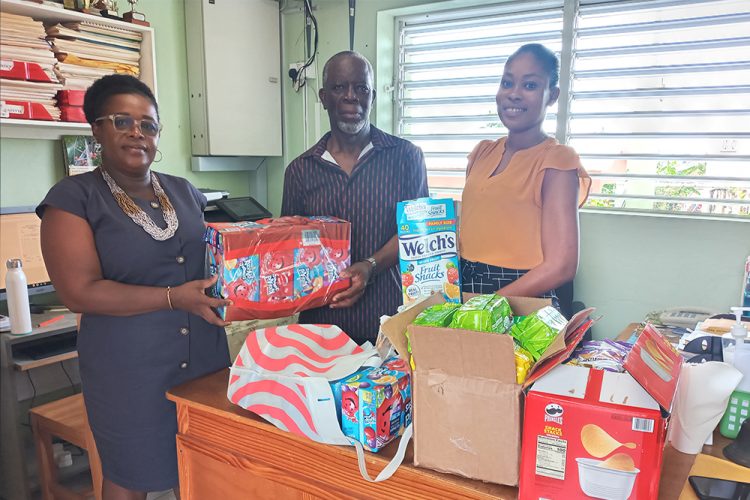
(572, 336)
(394, 328)
(655, 365)
(463, 353)
(564, 380)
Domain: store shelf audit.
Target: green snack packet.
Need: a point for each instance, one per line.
(537, 331)
(437, 315)
(484, 313)
(518, 319)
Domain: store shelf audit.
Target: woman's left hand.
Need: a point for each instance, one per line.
(359, 272)
(191, 297)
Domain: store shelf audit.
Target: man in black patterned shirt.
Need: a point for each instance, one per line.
(358, 173)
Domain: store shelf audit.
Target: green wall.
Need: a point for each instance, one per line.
(630, 264)
(31, 167)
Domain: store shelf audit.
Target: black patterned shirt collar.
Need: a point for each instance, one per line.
(379, 139)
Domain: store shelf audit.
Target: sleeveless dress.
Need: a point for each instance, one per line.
(128, 363)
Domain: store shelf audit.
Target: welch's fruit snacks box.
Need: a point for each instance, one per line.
(428, 249)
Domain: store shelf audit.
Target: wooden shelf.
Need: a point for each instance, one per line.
(38, 129)
(23, 364)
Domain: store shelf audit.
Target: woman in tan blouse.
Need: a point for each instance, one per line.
(519, 215)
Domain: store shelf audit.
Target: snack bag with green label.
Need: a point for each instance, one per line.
(484, 313)
(437, 315)
(537, 331)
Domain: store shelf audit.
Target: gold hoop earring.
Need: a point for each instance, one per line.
(160, 157)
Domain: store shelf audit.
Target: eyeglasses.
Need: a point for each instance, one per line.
(125, 123)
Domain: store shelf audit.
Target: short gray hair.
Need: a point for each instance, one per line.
(347, 53)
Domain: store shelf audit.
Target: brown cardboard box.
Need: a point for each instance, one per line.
(467, 405)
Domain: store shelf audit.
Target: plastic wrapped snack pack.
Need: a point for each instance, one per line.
(537, 331)
(484, 313)
(524, 362)
(437, 315)
(277, 267)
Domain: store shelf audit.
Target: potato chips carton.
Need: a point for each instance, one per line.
(428, 249)
(591, 433)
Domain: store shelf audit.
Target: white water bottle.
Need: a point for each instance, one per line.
(18, 298)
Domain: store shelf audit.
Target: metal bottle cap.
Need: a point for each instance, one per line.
(14, 264)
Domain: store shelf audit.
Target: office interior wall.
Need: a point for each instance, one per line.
(630, 264)
(31, 167)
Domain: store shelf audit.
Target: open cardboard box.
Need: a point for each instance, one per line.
(593, 433)
(467, 404)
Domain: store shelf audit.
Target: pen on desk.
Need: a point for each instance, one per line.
(51, 321)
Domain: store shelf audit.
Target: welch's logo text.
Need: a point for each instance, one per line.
(429, 245)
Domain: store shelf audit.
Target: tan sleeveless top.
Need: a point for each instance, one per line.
(501, 216)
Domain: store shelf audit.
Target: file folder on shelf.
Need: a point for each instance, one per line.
(25, 110)
(22, 70)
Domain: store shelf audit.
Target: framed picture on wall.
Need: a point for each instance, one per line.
(81, 154)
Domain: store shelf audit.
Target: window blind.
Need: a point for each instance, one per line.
(448, 72)
(656, 98)
(660, 105)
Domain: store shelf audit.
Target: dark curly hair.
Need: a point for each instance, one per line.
(545, 57)
(110, 85)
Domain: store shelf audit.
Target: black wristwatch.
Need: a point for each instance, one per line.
(373, 265)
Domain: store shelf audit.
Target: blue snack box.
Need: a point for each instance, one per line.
(376, 403)
(428, 249)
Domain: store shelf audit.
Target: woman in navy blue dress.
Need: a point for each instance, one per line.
(124, 246)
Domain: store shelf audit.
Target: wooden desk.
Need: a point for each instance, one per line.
(227, 452)
(14, 483)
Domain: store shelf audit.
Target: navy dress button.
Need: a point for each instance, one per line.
(180, 259)
(183, 365)
(184, 330)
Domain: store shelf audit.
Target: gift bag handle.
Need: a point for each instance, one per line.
(392, 466)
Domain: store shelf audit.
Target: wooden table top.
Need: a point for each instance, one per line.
(209, 394)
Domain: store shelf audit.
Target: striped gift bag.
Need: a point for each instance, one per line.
(283, 374)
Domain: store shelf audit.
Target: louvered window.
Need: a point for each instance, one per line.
(655, 95)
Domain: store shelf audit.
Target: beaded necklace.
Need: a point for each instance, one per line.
(140, 217)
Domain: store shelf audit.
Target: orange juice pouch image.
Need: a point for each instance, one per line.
(428, 249)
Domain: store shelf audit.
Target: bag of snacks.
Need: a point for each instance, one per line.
(604, 354)
(524, 362)
(437, 315)
(484, 313)
(537, 331)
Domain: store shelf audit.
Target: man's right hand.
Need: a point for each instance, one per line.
(359, 272)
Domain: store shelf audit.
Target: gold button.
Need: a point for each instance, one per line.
(183, 365)
(180, 259)
(184, 330)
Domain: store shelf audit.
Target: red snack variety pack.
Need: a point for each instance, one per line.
(592, 433)
(277, 267)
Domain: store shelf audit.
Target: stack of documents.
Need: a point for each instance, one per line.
(87, 50)
(27, 77)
